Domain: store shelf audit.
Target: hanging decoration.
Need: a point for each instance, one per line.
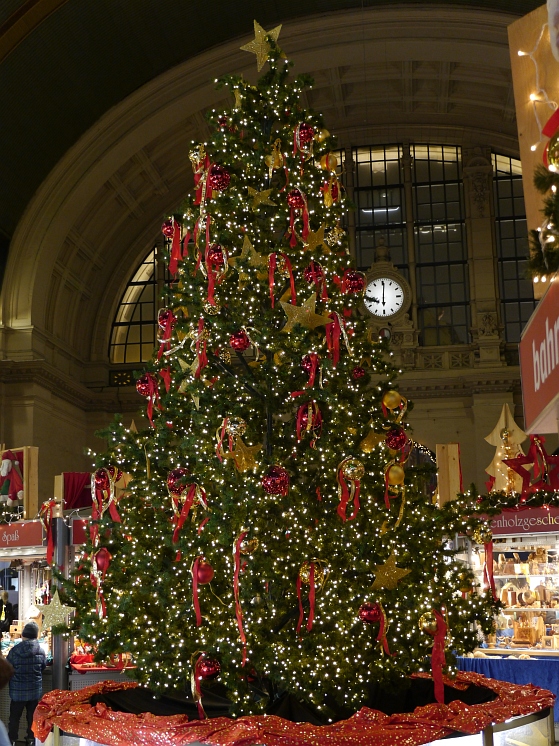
(297, 201)
(335, 330)
(432, 623)
(314, 574)
(100, 563)
(242, 455)
(238, 609)
(202, 574)
(506, 436)
(166, 321)
(272, 264)
(55, 613)
(309, 420)
(373, 613)
(146, 386)
(388, 575)
(276, 481)
(304, 315)
(351, 471)
(45, 516)
(545, 468)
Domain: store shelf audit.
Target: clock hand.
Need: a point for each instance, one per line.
(383, 293)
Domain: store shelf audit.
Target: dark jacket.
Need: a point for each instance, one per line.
(29, 662)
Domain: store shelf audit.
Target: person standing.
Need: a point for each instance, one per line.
(26, 685)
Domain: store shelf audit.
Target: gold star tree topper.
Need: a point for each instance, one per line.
(304, 315)
(388, 575)
(260, 46)
(55, 613)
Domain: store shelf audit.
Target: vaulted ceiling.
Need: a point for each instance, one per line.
(101, 100)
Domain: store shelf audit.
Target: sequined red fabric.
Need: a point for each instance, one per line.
(72, 712)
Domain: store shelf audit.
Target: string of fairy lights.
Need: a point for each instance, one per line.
(256, 534)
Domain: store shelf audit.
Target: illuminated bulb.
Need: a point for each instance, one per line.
(533, 147)
(533, 97)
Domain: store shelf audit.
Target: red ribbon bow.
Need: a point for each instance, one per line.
(238, 609)
(312, 597)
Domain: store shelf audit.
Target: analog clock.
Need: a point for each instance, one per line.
(384, 297)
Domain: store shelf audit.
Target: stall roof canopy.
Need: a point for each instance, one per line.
(64, 63)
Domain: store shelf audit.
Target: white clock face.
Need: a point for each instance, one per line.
(384, 297)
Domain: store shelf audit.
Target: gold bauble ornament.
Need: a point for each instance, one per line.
(353, 469)
(249, 546)
(328, 162)
(321, 135)
(371, 441)
(391, 399)
(396, 474)
(428, 623)
(465, 584)
(482, 535)
(553, 152)
(235, 426)
(320, 573)
(212, 310)
(225, 355)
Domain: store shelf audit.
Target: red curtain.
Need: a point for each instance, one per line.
(77, 489)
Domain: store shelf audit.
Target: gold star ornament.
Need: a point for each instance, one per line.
(254, 259)
(304, 315)
(55, 613)
(260, 46)
(260, 198)
(314, 240)
(388, 575)
(243, 455)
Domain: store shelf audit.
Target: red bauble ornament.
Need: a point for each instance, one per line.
(370, 613)
(168, 229)
(205, 572)
(222, 121)
(215, 255)
(146, 385)
(101, 478)
(218, 178)
(175, 481)
(314, 272)
(239, 341)
(208, 668)
(334, 191)
(166, 319)
(115, 472)
(316, 418)
(306, 363)
(358, 373)
(103, 559)
(396, 438)
(295, 199)
(305, 132)
(276, 481)
(353, 282)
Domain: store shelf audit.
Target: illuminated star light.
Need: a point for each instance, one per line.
(55, 613)
(260, 45)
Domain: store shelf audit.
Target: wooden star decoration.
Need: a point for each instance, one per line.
(260, 46)
(388, 575)
(545, 468)
(314, 240)
(254, 259)
(55, 613)
(243, 455)
(260, 198)
(304, 315)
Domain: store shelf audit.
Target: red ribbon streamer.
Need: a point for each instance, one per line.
(314, 368)
(311, 598)
(333, 333)
(165, 374)
(381, 637)
(272, 263)
(175, 249)
(438, 659)
(196, 688)
(190, 495)
(195, 601)
(345, 496)
(488, 569)
(45, 514)
(238, 609)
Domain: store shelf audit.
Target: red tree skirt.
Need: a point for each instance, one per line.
(72, 713)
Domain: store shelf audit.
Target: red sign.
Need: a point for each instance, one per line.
(539, 364)
(78, 531)
(24, 534)
(529, 521)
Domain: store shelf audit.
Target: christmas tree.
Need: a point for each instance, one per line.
(271, 533)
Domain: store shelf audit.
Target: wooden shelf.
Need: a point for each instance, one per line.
(530, 608)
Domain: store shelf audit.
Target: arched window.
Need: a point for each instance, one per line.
(134, 327)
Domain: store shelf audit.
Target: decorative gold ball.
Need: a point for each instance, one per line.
(553, 152)
(428, 623)
(269, 160)
(328, 162)
(249, 546)
(391, 399)
(321, 135)
(320, 573)
(353, 469)
(482, 535)
(370, 441)
(464, 583)
(396, 474)
(225, 355)
(212, 310)
(282, 267)
(235, 427)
